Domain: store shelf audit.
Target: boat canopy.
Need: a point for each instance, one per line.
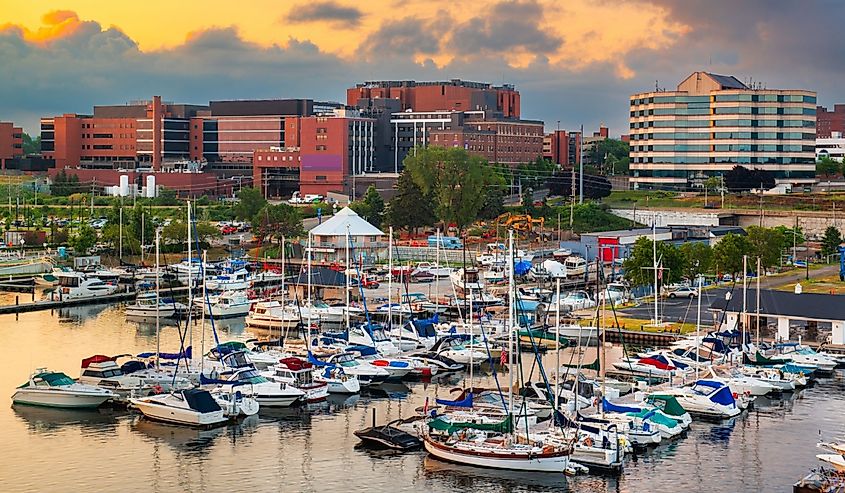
(132, 366)
(663, 365)
(667, 403)
(670, 362)
(465, 402)
(440, 424)
(760, 360)
(722, 396)
(296, 364)
(595, 365)
(362, 350)
(655, 417)
(186, 354)
(200, 400)
(613, 408)
(228, 347)
(53, 379)
(97, 358)
(522, 267)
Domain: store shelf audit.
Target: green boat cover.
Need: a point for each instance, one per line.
(546, 336)
(760, 360)
(441, 424)
(655, 417)
(667, 403)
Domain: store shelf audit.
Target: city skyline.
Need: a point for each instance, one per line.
(576, 63)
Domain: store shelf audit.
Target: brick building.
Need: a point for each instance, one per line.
(11, 142)
(562, 147)
(828, 122)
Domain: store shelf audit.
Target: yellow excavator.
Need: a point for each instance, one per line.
(523, 223)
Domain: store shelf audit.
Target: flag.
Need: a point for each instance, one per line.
(504, 359)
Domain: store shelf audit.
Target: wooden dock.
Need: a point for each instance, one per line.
(640, 337)
(54, 305)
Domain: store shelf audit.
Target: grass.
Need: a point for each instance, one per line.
(631, 323)
(819, 285)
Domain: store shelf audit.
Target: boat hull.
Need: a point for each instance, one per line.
(59, 399)
(516, 462)
(174, 415)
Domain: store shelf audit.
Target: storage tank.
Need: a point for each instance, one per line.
(124, 185)
(150, 190)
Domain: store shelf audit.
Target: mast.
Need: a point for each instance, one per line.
(471, 362)
(158, 303)
(757, 304)
(698, 326)
(308, 337)
(390, 278)
(510, 323)
(120, 233)
(142, 232)
(744, 298)
(600, 324)
(437, 278)
(654, 258)
(205, 304)
(190, 278)
(557, 347)
(282, 302)
(346, 276)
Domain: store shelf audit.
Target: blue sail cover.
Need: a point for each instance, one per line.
(314, 361)
(186, 354)
(216, 381)
(465, 402)
(723, 397)
(613, 408)
(522, 267)
(362, 350)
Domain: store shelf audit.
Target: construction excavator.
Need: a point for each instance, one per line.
(522, 223)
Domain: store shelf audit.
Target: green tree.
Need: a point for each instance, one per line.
(374, 206)
(713, 184)
(30, 145)
(277, 221)
(64, 184)
(176, 233)
(792, 236)
(456, 182)
(250, 201)
(766, 243)
(831, 241)
(165, 196)
(528, 201)
(536, 173)
(494, 203)
(728, 253)
(827, 167)
(409, 209)
(639, 265)
(608, 153)
(697, 258)
(84, 239)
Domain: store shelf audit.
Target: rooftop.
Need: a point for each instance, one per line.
(785, 303)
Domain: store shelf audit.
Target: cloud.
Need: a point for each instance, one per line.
(508, 25)
(325, 12)
(405, 37)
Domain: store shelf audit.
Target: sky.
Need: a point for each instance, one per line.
(573, 61)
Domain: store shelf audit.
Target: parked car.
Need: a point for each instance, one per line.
(683, 292)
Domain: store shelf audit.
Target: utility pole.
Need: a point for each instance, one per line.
(581, 170)
(761, 204)
(722, 190)
(572, 201)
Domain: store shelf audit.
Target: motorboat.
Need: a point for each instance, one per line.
(397, 368)
(235, 404)
(494, 274)
(582, 334)
(740, 382)
(337, 381)
(669, 406)
(466, 280)
(804, 355)
(573, 301)
(321, 312)
(650, 367)
(298, 373)
(642, 417)
(453, 347)
(189, 270)
(74, 285)
(149, 305)
(615, 293)
(235, 281)
(432, 268)
(191, 407)
(54, 389)
(420, 302)
(443, 363)
(226, 304)
(783, 381)
(260, 359)
(103, 371)
(366, 373)
(388, 436)
(239, 374)
(271, 316)
(707, 398)
(561, 253)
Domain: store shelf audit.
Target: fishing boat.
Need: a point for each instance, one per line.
(149, 305)
(226, 304)
(271, 316)
(191, 407)
(54, 389)
(706, 398)
(298, 373)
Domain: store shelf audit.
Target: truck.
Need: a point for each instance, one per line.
(310, 198)
(446, 242)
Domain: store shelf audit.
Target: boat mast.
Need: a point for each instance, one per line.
(510, 323)
(346, 276)
(654, 258)
(471, 362)
(310, 308)
(437, 278)
(744, 299)
(190, 279)
(142, 235)
(757, 304)
(205, 303)
(158, 302)
(390, 278)
(120, 233)
(557, 348)
(600, 324)
(282, 302)
(698, 327)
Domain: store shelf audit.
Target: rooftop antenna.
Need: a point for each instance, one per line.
(656, 86)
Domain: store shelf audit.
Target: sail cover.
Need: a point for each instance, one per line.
(441, 424)
(186, 354)
(465, 402)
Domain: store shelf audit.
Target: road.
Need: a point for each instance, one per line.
(684, 310)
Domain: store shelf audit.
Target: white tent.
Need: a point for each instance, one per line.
(336, 226)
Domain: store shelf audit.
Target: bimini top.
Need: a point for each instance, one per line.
(200, 400)
(337, 225)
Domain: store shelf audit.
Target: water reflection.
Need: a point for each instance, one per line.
(180, 438)
(49, 420)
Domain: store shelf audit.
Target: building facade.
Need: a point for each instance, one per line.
(713, 123)
(11, 143)
(832, 147)
(830, 122)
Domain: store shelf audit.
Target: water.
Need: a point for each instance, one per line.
(314, 449)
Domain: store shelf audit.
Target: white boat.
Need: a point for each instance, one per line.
(236, 281)
(74, 285)
(337, 381)
(298, 373)
(649, 367)
(579, 333)
(226, 304)
(454, 348)
(250, 382)
(366, 373)
(806, 356)
(785, 382)
(835, 460)
(573, 301)
(739, 382)
(466, 279)
(148, 305)
(219, 355)
(561, 253)
(272, 316)
(706, 398)
(103, 371)
(235, 404)
(191, 407)
(432, 268)
(186, 271)
(320, 312)
(494, 274)
(53, 389)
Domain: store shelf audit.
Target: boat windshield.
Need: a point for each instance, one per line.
(379, 335)
(56, 379)
(251, 376)
(320, 304)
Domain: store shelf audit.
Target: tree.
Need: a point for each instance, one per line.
(528, 201)
(766, 243)
(456, 182)
(697, 258)
(640, 263)
(535, 173)
(277, 221)
(176, 233)
(831, 241)
(64, 184)
(84, 239)
(827, 166)
(742, 179)
(409, 209)
(250, 201)
(595, 186)
(728, 253)
(494, 203)
(375, 206)
(165, 196)
(713, 184)
(30, 145)
(606, 153)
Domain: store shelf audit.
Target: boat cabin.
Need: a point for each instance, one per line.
(295, 370)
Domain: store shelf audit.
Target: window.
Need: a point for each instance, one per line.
(321, 177)
(321, 148)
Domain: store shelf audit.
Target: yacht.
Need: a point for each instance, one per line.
(54, 389)
(191, 407)
(432, 268)
(806, 356)
(466, 279)
(241, 375)
(454, 349)
(149, 305)
(74, 285)
(337, 381)
(366, 373)
(299, 374)
(226, 304)
(272, 316)
(236, 281)
(707, 398)
(103, 371)
(739, 382)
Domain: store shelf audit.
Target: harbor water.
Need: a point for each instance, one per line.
(313, 448)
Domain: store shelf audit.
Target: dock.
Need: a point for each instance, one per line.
(640, 337)
(56, 304)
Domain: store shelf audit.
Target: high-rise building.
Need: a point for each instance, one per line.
(713, 123)
(829, 122)
(11, 142)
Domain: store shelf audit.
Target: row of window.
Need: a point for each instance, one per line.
(724, 135)
(275, 158)
(724, 148)
(728, 98)
(695, 174)
(724, 160)
(682, 123)
(732, 110)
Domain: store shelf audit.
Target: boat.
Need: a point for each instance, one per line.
(238, 373)
(420, 302)
(54, 389)
(149, 305)
(706, 398)
(271, 315)
(650, 367)
(226, 304)
(74, 285)
(366, 373)
(103, 371)
(545, 336)
(561, 253)
(835, 460)
(443, 363)
(431, 268)
(739, 382)
(466, 280)
(453, 348)
(642, 417)
(320, 312)
(235, 404)
(337, 381)
(299, 373)
(259, 359)
(388, 436)
(235, 281)
(191, 407)
(804, 355)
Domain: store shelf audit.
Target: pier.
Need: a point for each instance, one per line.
(56, 304)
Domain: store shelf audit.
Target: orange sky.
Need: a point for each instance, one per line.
(591, 31)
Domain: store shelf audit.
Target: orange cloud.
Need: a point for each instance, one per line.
(57, 24)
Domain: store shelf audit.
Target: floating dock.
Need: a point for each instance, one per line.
(56, 304)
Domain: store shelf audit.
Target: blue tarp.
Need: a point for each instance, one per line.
(521, 268)
(724, 397)
(363, 350)
(186, 354)
(465, 402)
(613, 408)
(314, 361)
